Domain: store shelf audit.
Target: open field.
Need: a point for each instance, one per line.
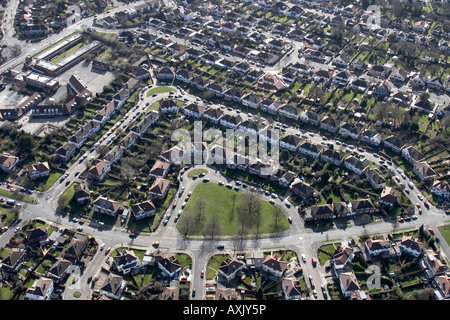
(218, 201)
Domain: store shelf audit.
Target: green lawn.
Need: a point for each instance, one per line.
(17, 196)
(197, 172)
(219, 202)
(445, 231)
(159, 90)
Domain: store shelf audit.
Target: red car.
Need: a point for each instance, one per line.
(418, 205)
(202, 274)
(314, 261)
(174, 204)
(401, 220)
(107, 250)
(431, 230)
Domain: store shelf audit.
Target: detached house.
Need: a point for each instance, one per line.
(8, 162)
(106, 206)
(99, 170)
(393, 143)
(310, 149)
(412, 155)
(82, 193)
(301, 189)
(333, 156)
(251, 100)
(341, 257)
(388, 197)
(371, 137)
(411, 246)
(38, 170)
(348, 283)
(424, 171)
(441, 189)
(143, 210)
(41, 289)
(126, 261)
(310, 117)
(350, 130)
(330, 124)
(168, 265)
(159, 188)
(275, 267)
(356, 165)
(375, 178)
(377, 247)
(159, 169)
(290, 142)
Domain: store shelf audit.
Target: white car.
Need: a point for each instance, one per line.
(102, 246)
(303, 258)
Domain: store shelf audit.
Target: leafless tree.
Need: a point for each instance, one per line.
(186, 224)
(276, 214)
(199, 212)
(213, 227)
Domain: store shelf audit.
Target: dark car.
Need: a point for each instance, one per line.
(193, 292)
(89, 280)
(220, 247)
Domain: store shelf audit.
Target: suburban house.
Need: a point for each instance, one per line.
(393, 143)
(230, 268)
(173, 155)
(8, 162)
(362, 206)
(194, 110)
(113, 287)
(371, 137)
(160, 169)
(309, 149)
(320, 212)
(350, 130)
(333, 156)
(99, 170)
(213, 115)
(289, 111)
(106, 206)
(168, 106)
(443, 285)
(330, 124)
(251, 100)
(38, 170)
(82, 193)
(433, 263)
(270, 106)
(412, 155)
(377, 247)
(441, 189)
(36, 235)
(341, 257)
(411, 246)
(169, 266)
(348, 283)
(310, 117)
(290, 142)
(41, 289)
(143, 210)
(125, 261)
(13, 260)
(59, 269)
(424, 171)
(301, 189)
(354, 164)
(274, 266)
(75, 249)
(388, 197)
(230, 121)
(159, 188)
(292, 289)
(375, 178)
